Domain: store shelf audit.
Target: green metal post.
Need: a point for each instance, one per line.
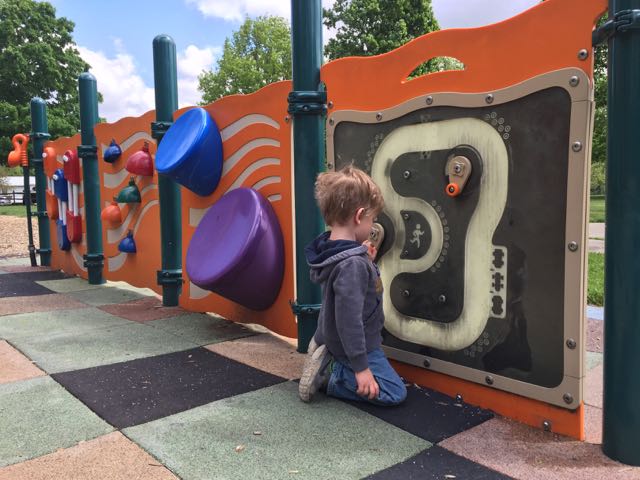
(88, 151)
(307, 104)
(39, 135)
(621, 412)
(165, 75)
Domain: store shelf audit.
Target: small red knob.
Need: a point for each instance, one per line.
(453, 190)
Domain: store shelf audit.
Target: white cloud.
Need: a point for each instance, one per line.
(191, 62)
(475, 13)
(123, 90)
(236, 10)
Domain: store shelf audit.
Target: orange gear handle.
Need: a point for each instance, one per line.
(18, 156)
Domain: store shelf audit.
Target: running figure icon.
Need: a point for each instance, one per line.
(417, 233)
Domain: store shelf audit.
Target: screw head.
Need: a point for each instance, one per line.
(287, 118)
(573, 246)
(583, 54)
(331, 121)
(330, 166)
(459, 398)
(330, 104)
(576, 146)
(378, 116)
(488, 380)
(568, 398)
(405, 253)
(571, 343)
(574, 81)
(546, 426)
(429, 100)
(442, 298)
(489, 98)
(406, 174)
(426, 363)
(406, 293)
(405, 216)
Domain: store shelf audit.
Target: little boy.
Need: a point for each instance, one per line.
(344, 355)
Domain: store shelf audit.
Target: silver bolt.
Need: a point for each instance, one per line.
(574, 81)
(405, 253)
(546, 426)
(568, 398)
(571, 343)
(287, 118)
(330, 104)
(442, 299)
(459, 398)
(583, 54)
(576, 146)
(489, 380)
(405, 216)
(406, 293)
(489, 98)
(406, 174)
(573, 246)
(331, 121)
(429, 100)
(426, 363)
(330, 166)
(378, 116)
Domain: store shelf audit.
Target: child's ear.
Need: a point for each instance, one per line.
(359, 215)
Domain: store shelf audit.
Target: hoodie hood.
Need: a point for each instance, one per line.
(322, 254)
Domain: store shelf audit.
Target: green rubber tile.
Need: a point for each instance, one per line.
(68, 285)
(105, 296)
(593, 359)
(9, 261)
(147, 292)
(202, 329)
(75, 350)
(270, 433)
(40, 417)
(37, 324)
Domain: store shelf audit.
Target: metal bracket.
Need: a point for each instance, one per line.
(40, 214)
(87, 151)
(158, 129)
(43, 250)
(36, 160)
(306, 309)
(169, 277)
(307, 102)
(91, 260)
(39, 136)
(622, 21)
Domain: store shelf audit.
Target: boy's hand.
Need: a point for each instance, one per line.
(367, 385)
(371, 250)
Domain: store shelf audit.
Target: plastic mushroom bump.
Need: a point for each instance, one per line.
(111, 215)
(127, 244)
(112, 153)
(130, 193)
(140, 163)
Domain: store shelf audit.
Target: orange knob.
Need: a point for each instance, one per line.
(19, 154)
(453, 190)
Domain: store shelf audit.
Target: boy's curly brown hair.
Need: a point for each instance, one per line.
(340, 194)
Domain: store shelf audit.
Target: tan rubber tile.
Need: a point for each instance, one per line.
(15, 366)
(38, 303)
(593, 424)
(143, 310)
(264, 352)
(111, 456)
(595, 335)
(523, 453)
(24, 268)
(593, 387)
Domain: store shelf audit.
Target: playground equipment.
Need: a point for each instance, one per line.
(485, 174)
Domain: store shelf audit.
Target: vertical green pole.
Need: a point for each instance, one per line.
(88, 151)
(307, 104)
(621, 413)
(39, 135)
(165, 75)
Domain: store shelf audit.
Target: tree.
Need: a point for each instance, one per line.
(38, 57)
(372, 27)
(258, 54)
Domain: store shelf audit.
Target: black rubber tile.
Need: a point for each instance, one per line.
(39, 276)
(429, 415)
(130, 393)
(437, 463)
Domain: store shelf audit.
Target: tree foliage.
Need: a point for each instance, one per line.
(258, 53)
(38, 57)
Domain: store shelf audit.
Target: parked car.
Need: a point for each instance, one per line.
(6, 200)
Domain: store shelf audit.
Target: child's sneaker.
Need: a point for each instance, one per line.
(315, 373)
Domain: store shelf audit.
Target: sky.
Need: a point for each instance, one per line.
(115, 38)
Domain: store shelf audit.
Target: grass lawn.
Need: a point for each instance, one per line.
(596, 214)
(15, 210)
(595, 292)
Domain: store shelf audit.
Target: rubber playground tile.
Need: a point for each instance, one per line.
(14, 366)
(145, 292)
(72, 284)
(49, 323)
(139, 391)
(14, 261)
(429, 414)
(594, 386)
(111, 456)
(523, 453)
(104, 296)
(66, 351)
(39, 303)
(202, 329)
(595, 336)
(39, 417)
(436, 463)
(22, 268)
(143, 310)
(593, 359)
(36, 276)
(264, 352)
(592, 424)
(270, 433)
(12, 286)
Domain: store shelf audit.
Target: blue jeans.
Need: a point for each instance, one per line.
(342, 382)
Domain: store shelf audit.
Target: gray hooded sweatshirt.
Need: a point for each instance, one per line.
(351, 317)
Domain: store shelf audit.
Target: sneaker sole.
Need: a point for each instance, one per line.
(312, 367)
